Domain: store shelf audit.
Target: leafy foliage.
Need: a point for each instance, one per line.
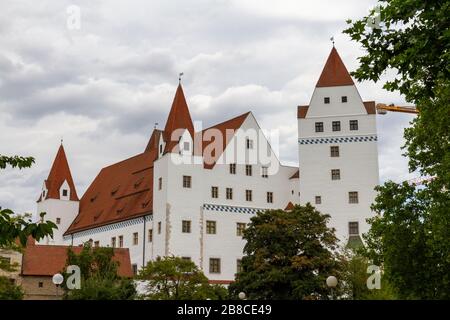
(288, 255)
(9, 290)
(19, 227)
(99, 276)
(410, 235)
(353, 280)
(413, 38)
(173, 278)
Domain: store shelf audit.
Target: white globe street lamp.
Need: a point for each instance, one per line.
(57, 279)
(332, 283)
(242, 295)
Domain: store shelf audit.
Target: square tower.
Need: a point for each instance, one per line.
(338, 156)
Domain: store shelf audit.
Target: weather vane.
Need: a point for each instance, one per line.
(332, 40)
(179, 77)
(156, 125)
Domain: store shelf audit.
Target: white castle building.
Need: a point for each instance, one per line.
(191, 194)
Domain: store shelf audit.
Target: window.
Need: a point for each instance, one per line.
(353, 124)
(232, 168)
(58, 220)
(214, 192)
(159, 183)
(159, 227)
(270, 196)
(353, 228)
(214, 265)
(186, 226)
(113, 242)
(264, 172)
(97, 244)
(160, 148)
(186, 258)
(135, 269)
(64, 192)
(150, 235)
(326, 100)
(240, 227)
(230, 193)
(335, 174)
(210, 227)
(248, 169)
(135, 239)
(336, 125)
(238, 265)
(187, 181)
(40, 284)
(319, 126)
(248, 195)
(249, 143)
(186, 146)
(344, 99)
(334, 151)
(353, 197)
(318, 200)
(120, 241)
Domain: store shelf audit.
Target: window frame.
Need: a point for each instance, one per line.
(319, 127)
(211, 227)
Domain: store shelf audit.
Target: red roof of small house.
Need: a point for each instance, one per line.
(179, 118)
(47, 260)
(59, 173)
(334, 72)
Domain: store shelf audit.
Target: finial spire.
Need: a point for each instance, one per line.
(156, 125)
(332, 40)
(179, 77)
(62, 140)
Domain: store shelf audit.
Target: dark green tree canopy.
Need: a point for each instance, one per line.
(288, 255)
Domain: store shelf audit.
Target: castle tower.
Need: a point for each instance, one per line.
(58, 198)
(338, 155)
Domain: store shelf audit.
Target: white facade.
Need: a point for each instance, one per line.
(182, 188)
(357, 161)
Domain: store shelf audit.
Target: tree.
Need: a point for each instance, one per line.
(288, 255)
(173, 278)
(99, 276)
(19, 227)
(9, 290)
(410, 234)
(353, 279)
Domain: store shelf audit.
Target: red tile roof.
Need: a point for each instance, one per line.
(227, 130)
(296, 175)
(179, 118)
(120, 192)
(290, 206)
(302, 111)
(334, 72)
(370, 107)
(46, 260)
(59, 172)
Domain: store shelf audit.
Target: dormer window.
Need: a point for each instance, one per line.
(326, 100)
(64, 192)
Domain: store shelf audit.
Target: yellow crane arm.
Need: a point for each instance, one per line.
(382, 108)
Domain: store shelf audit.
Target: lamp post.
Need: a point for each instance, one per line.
(57, 279)
(332, 283)
(242, 295)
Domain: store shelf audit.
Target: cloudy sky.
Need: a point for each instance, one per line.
(102, 87)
